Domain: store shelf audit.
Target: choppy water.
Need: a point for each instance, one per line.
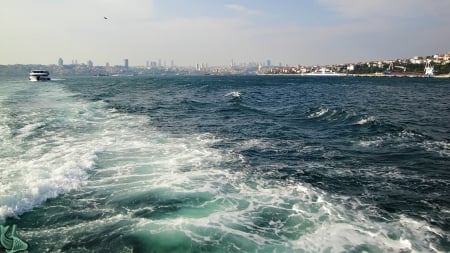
(226, 164)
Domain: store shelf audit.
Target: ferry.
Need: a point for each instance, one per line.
(39, 75)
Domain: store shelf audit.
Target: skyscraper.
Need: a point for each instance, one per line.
(60, 62)
(126, 63)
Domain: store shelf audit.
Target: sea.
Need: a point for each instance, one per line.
(226, 164)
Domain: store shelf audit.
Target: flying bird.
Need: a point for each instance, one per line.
(105, 17)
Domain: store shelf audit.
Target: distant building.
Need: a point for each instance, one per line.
(269, 63)
(126, 63)
(417, 60)
(60, 62)
(447, 58)
(90, 64)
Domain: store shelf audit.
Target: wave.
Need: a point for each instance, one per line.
(366, 120)
(327, 114)
(318, 112)
(337, 115)
(399, 138)
(234, 94)
(440, 147)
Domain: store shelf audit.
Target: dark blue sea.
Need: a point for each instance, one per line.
(226, 164)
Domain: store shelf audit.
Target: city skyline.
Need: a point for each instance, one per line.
(219, 32)
(439, 58)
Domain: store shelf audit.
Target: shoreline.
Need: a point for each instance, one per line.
(360, 75)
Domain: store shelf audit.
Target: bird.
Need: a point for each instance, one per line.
(105, 17)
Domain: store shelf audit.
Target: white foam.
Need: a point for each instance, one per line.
(366, 120)
(319, 113)
(440, 147)
(369, 143)
(313, 223)
(403, 138)
(38, 163)
(235, 94)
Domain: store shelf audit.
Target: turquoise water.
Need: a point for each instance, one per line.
(226, 164)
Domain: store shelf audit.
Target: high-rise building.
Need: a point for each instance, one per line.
(60, 62)
(269, 63)
(90, 64)
(126, 63)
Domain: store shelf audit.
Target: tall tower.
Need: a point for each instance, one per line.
(60, 62)
(126, 63)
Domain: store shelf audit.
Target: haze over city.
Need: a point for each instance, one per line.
(217, 32)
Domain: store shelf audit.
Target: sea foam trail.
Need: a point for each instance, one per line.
(42, 155)
(163, 188)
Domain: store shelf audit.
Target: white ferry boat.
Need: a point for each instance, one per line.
(39, 75)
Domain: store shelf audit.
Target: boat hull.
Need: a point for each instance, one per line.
(39, 79)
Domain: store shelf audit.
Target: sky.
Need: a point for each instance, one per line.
(216, 32)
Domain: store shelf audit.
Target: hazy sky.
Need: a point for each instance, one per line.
(302, 32)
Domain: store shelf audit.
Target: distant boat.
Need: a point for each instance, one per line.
(39, 75)
(324, 72)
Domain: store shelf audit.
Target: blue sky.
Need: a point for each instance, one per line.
(216, 31)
